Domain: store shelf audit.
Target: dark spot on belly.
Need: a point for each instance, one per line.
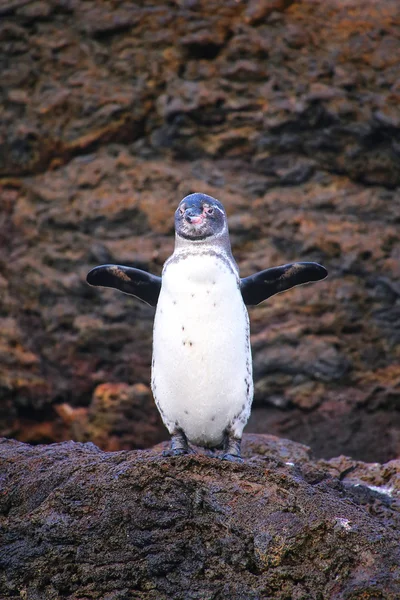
(192, 295)
(214, 304)
(212, 418)
(184, 343)
(186, 412)
(213, 282)
(208, 291)
(243, 406)
(174, 302)
(190, 343)
(183, 329)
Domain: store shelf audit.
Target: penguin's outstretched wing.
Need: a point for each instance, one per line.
(135, 282)
(262, 285)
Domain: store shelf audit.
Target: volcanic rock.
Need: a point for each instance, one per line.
(80, 523)
(286, 111)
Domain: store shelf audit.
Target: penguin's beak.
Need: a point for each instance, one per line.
(194, 215)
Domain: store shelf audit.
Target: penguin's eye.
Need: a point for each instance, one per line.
(181, 210)
(209, 210)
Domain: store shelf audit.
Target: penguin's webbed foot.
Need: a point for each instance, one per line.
(231, 447)
(232, 458)
(179, 444)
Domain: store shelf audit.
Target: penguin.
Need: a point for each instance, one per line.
(201, 375)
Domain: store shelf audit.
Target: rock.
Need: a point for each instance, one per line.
(135, 524)
(258, 11)
(118, 417)
(288, 112)
(314, 359)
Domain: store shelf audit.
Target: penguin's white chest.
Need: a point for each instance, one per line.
(202, 372)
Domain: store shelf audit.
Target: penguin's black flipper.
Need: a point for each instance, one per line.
(263, 285)
(135, 282)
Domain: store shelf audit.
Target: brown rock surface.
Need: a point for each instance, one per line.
(288, 112)
(78, 523)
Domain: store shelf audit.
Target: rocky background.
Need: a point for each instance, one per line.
(286, 111)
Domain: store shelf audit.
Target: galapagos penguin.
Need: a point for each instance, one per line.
(202, 369)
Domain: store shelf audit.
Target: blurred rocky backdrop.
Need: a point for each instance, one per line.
(286, 111)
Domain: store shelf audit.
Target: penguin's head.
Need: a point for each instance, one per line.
(199, 216)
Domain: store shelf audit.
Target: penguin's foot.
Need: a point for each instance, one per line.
(232, 458)
(179, 445)
(231, 447)
(210, 453)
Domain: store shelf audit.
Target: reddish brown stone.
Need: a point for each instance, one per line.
(288, 112)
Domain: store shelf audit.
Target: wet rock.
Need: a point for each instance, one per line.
(194, 527)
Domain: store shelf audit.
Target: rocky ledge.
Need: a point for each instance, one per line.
(80, 523)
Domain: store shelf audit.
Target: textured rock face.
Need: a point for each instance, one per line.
(79, 523)
(286, 111)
